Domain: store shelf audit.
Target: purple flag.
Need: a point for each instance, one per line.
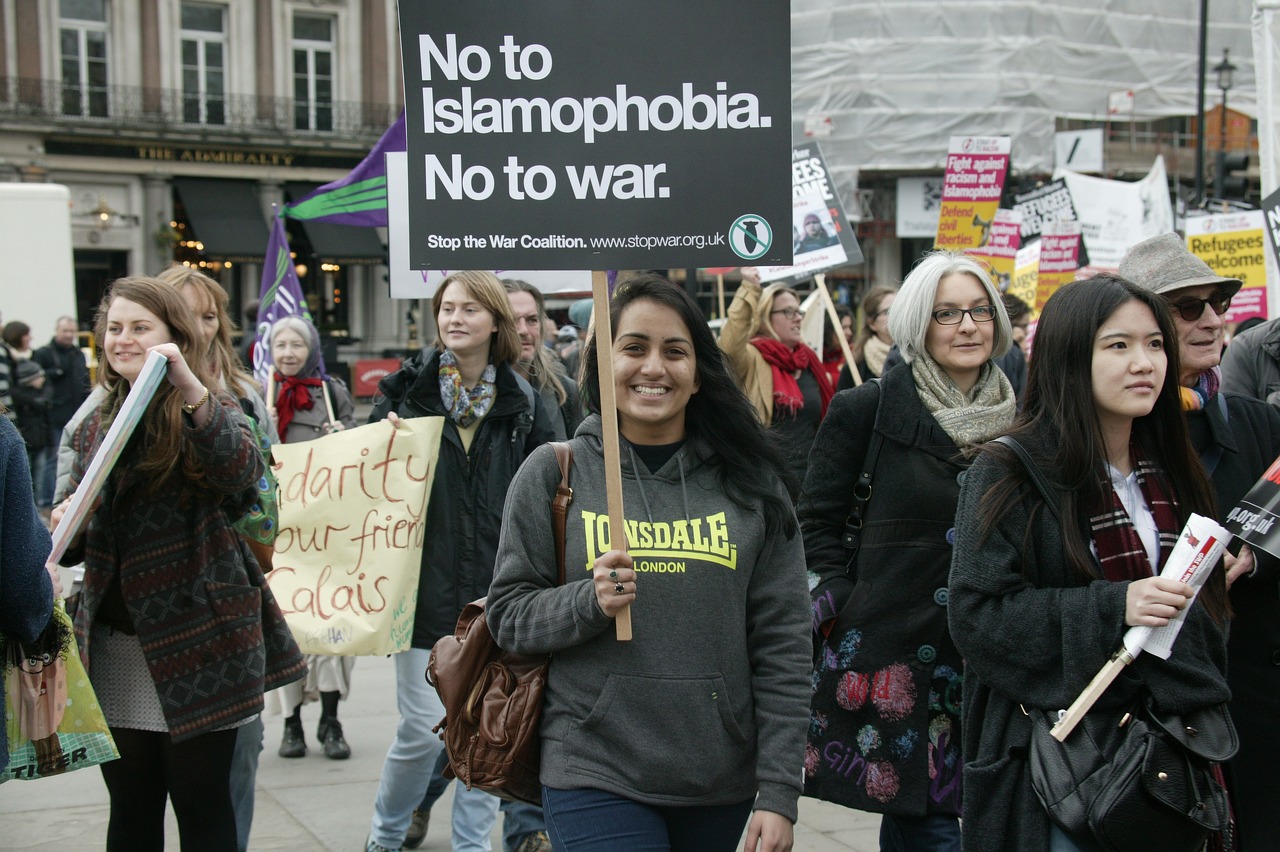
(280, 296)
(360, 198)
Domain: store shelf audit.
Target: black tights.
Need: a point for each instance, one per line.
(194, 774)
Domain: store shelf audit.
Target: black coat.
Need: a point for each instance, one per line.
(464, 517)
(1249, 440)
(885, 726)
(67, 375)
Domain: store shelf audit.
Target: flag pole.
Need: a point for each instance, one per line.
(821, 280)
(609, 427)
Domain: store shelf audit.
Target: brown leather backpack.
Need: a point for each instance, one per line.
(493, 699)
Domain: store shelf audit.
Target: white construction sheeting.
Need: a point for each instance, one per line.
(1266, 53)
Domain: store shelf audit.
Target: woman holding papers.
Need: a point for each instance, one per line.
(178, 630)
(671, 740)
(1038, 607)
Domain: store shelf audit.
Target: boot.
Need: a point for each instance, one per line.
(293, 744)
(330, 735)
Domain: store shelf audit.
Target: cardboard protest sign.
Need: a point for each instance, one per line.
(821, 236)
(1254, 517)
(537, 145)
(1026, 272)
(353, 508)
(1235, 246)
(1059, 259)
(1001, 249)
(971, 189)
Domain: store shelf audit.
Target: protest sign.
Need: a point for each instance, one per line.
(1114, 215)
(919, 201)
(1048, 203)
(1271, 210)
(1235, 246)
(821, 236)
(353, 509)
(1001, 249)
(1059, 259)
(971, 189)
(537, 145)
(1254, 517)
(1026, 271)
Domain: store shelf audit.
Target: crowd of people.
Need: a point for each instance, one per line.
(858, 596)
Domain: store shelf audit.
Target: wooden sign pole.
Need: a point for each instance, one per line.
(328, 403)
(609, 427)
(720, 294)
(821, 280)
(1086, 699)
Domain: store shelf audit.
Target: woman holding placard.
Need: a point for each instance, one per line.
(305, 400)
(1036, 606)
(177, 627)
(671, 740)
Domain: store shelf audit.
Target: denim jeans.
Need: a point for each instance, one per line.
(930, 833)
(1060, 841)
(518, 822)
(44, 484)
(37, 460)
(596, 821)
(244, 773)
(410, 761)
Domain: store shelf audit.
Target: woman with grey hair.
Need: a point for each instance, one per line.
(301, 413)
(885, 726)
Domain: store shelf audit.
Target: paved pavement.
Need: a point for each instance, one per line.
(313, 804)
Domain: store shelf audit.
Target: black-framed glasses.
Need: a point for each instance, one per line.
(955, 316)
(1191, 308)
(789, 313)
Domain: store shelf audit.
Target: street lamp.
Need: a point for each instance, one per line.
(1226, 79)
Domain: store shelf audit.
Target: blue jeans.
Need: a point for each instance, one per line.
(1060, 841)
(930, 833)
(45, 484)
(596, 821)
(244, 772)
(410, 761)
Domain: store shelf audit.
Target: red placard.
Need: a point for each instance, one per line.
(366, 374)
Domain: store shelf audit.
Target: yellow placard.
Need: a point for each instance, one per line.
(1234, 245)
(353, 511)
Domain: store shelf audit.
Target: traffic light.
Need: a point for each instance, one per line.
(1230, 182)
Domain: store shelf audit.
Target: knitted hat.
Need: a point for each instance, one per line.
(28, 371)
(580, 313)
(1163, 264)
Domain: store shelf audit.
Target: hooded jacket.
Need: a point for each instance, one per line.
(1251, 364)
(707, 704)
(465, 514)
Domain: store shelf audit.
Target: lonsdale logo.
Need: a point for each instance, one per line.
(662, 546)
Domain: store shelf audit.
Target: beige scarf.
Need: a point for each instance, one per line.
(983, 414)
(874, 351)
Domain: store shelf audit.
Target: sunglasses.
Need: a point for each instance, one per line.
(1191, 309)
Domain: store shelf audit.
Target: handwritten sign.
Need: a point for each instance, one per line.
(353, 511)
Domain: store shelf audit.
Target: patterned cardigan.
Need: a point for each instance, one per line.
(211, 631)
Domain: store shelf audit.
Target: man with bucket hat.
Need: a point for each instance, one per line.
(1237, 437)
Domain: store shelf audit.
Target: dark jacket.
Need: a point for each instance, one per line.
(1249, 440)
(68, 376)
(26, 594)
(32, 407)
(309, 423)
(890, 635)
(1251, 364)
(211, 631)
(464, 518)
(1035, 633)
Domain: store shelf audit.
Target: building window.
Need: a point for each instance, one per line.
(82, 29)
(204, 72)
(313, 72)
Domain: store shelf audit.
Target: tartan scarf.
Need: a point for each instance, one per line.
(1118, 544)
(784, 362)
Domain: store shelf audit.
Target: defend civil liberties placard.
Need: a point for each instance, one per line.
(568, 134)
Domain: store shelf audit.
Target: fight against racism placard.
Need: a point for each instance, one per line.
(821, 236)
(1059, 259)
(1001, 248)
(971, 188)
(353, 512)
(1235, 245)
(567, 134)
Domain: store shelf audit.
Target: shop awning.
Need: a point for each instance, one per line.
(337, 243)
(226, 216)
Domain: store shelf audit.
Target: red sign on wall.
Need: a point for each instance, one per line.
(366, 374)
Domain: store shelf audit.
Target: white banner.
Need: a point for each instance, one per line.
(1115, 215)
(919, 203)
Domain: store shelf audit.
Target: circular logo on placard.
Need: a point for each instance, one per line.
(750, 236)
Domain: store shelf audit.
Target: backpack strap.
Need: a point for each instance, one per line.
(1037, 475)
(560, 503)
(852, 538)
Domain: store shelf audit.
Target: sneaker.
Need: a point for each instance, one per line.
(536, 842)
(417, 829)
(329, 733)
(293, 744)
(370, 846)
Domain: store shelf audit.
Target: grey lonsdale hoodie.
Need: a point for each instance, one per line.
(709, 703)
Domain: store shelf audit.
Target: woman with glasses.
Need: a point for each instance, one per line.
(1236, 438)
(783, 378)
(884, 733)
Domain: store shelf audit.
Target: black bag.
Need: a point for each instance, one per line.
(1144, 781)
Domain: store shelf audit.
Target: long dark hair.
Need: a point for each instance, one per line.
(719, 414)
(1060, 415)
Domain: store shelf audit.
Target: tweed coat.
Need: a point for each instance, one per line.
(211, 631)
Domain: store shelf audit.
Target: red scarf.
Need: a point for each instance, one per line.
(295, 395)
(785, 362)
(1119, 546)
